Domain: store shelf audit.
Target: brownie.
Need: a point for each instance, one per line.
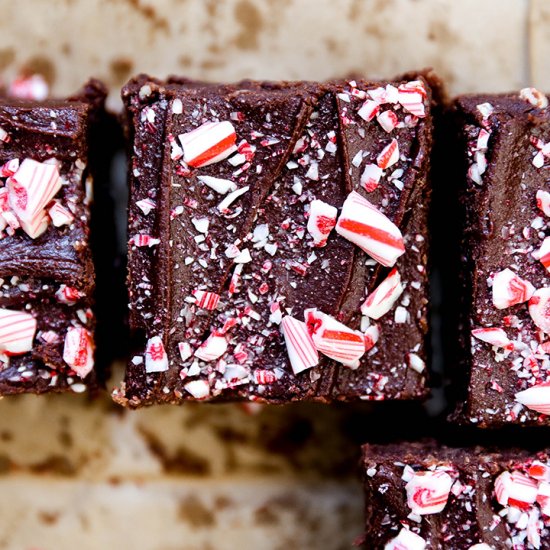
(47, 278)
(504, 143)
(423, 495)
(277, 240)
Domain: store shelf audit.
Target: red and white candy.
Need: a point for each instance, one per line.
(536, 398)
(406, 540)
(60, 215)
(509, 289)
(30, 189)
(543, 498)
(78, 351)
(388, 120)
(412, 96)
(389, 155)
(206, 300)
(543, 202)
(212, 348)
(68, 295)
(428, 491)
(156, 359)
(539, 309)
(370, 178)
(17, 330)
(334, 339)
(492, 335)
(384, 296)
(543, 254)
(321, 221)
(534, 97)
(212, 142)
(299, 344)
(364, 225)
(515, 489)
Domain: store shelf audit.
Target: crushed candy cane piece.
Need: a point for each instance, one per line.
(384, 296)
(334, 339)
(220, 185)
(206, 300)
(509, 289)
(60, 215)
(212, 142)
(428, 491)
(539, 309)
(406, 540)
(416, 363)
(17, 330)
(389, 155)
(368, 110)
(543, 202)
(411, 97)
(212, 348)
(156, 359)
(199, 389)
(140, 240)
(68, 295)
(492, 335)
(536, 398)
(515, 489)
(364, 225)
(321, 221)
(146, 205)
(78, 351)
(388, 120)
(32, 87)
(371, 335)
(300, 347)
(370, 178)
(534, 97)
(543, 254)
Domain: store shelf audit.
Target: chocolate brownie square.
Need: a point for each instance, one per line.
(277, 240)
(423, 495)
(505, 315)
(46, 270)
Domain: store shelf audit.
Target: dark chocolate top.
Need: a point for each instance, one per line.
(50, 275)
(454, 499)
(297, 142)
(506, 140)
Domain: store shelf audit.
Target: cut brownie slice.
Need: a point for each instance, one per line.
(264, 223)
(421, 496)
(505, 310)
(46, 268)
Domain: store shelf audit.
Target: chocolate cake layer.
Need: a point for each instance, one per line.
(505, 140)
(422, 495)
(277, 240)
(46, 269)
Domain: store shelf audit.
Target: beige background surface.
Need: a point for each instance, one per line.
(81, 475)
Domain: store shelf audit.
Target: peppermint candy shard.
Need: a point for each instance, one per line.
(321, 221)
(543, 254)
(543, 202)
(199, 389)
(212, 348)
(210, 143)
(206, 300)
(539, 309)
(515, 489)
(534, 97)
(60, 215)
(406, 540)
(300, 347)
(220, 185)
(334, 339)
(17, 330)
(428, 491)
(509, 289)
(536, 398)
(382, 299)
(492, 335)
(411, 97)
(156, 359)
(364, 225)
(370, 178)
(389, 155)
(371, 335)
(30, 189)
(78, 351)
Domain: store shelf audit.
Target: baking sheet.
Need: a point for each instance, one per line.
(88, 475)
